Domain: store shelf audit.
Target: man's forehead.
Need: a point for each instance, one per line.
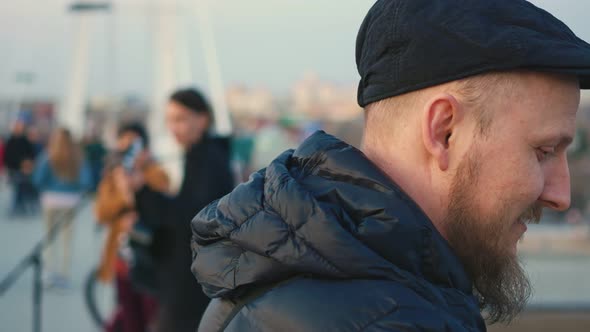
(544, 103)
(541, 89)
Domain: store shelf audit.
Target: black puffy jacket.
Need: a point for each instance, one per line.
(322, 240)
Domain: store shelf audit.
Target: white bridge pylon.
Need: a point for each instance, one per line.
(172, 67)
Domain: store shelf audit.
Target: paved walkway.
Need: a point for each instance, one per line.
(63, 311)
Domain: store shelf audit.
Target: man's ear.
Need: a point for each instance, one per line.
(439, 118)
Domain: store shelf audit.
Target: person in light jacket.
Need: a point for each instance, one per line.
(62, 176)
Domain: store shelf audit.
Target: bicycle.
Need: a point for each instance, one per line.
(95, 298)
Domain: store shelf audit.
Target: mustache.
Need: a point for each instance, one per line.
(532, 215)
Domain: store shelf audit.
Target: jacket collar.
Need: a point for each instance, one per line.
(387, 220)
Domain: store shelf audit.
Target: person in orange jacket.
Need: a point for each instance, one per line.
(117, 209)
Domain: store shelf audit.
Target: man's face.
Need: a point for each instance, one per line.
(504, 181)
(18, 128)
(125, 140)
(188, 127)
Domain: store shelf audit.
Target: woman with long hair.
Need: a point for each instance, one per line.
(62, 176)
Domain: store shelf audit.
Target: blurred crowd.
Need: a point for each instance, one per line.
(146, 253)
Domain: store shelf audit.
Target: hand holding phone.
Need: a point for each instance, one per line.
(131, 155)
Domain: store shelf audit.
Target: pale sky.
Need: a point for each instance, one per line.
(268, 43)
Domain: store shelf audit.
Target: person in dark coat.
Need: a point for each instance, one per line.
(95, 153)
(19, 155)
(207, 176)
(469, 109)
(31, 192)
(2, 147)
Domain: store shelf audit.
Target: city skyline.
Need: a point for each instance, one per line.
(261, 43)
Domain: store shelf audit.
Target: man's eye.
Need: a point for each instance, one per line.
(544, 153)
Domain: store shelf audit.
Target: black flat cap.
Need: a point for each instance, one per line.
(408, 45)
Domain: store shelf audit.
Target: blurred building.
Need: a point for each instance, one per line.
(321, 100)
(104, 115)
(243, 101)
(38, 112)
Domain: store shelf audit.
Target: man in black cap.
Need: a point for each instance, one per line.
(469, 109)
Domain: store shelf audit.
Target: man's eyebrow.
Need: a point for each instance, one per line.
(560, 139)
(564, 139)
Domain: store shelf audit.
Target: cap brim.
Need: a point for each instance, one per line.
(584, 79)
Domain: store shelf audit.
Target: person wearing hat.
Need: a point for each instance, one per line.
(207, 176)
(469, 109)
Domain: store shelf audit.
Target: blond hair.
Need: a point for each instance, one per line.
(65, 156)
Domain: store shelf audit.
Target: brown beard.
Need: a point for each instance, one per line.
(499, 281)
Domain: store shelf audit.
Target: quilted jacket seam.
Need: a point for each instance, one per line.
(378, 319)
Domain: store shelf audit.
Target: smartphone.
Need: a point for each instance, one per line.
(131, 155)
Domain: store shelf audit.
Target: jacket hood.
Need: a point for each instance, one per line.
(323, 210)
